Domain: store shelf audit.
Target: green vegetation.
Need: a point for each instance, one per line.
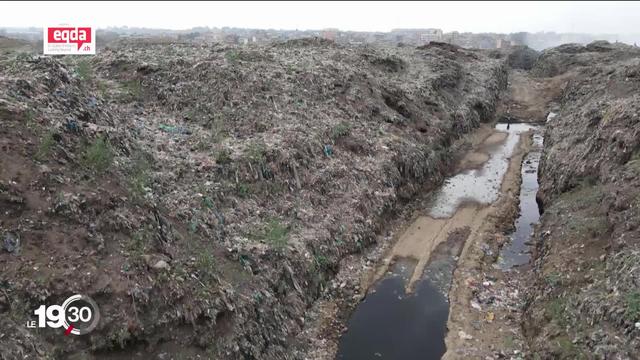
(46, 145)
(132, 89)
(84, 70)
(232, 56)
(584, 195)
(341, 130)
(632, 311)
(243, 190)
(29, 115)
(98, 156)
(568, 350)
(216, 122)
(193, 224)
(120, 337)
(320, 262)
(223, 156)
(553, 279)
(275, 234)
(139, 177)
(206, 265)
(138, 243)
(555, 309)
(103, 89)
(256, 152)
(589, 226)
(207, 203)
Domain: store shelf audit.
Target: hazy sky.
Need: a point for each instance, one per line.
(589, 17)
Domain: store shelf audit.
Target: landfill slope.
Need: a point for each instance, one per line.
(203, 195)
(585, 302)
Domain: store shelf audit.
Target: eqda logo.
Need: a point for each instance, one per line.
(69, 40)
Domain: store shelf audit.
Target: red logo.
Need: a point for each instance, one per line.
(69, 35)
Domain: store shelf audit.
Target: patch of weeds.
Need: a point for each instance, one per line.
(632, 311)
(103, 89)
(216, 122)
(598, 268)
(555, 309)
(223, 156)
(120, 337)
(585, 195)
(193, 114)
(206, 265)
(138, 243)
(193, 224)
(133, 90)
(232, 56)
(568, 350)
(98, 156)
(553, 279)
(256, 152)
(589, 226)
(275, 234)
(84, 70)
(341, 130)
(29, 119)
(243, 190)
(320, 262)
(207, 203)
(139, 177)
(46, 145)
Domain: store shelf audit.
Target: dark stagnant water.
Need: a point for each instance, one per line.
(391, 324)
(516, 252)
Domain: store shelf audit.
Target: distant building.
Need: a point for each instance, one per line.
(431, 35)
(329, 34)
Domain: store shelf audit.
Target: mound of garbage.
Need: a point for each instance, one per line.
(203, 195)
(586, 300)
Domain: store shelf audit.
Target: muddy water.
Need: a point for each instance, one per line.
(478, 185)
(391, 323)
(516, 252)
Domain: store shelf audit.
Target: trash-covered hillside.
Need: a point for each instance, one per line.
(204, 195)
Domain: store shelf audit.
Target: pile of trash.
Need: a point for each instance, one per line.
(585, 300)
(213, 188)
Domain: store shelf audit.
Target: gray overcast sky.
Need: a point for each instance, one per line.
(589, 17)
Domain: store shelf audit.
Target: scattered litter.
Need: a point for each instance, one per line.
(490, 316)
(328, 150)
(11, 242)
(174, 129)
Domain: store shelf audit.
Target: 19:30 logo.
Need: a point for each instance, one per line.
(78, 315)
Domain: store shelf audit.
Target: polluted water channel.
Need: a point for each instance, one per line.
(391, 323)
(517, 251)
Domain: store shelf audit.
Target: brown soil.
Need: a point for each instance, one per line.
(527, 99)
(425, 233)
(489, 329)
